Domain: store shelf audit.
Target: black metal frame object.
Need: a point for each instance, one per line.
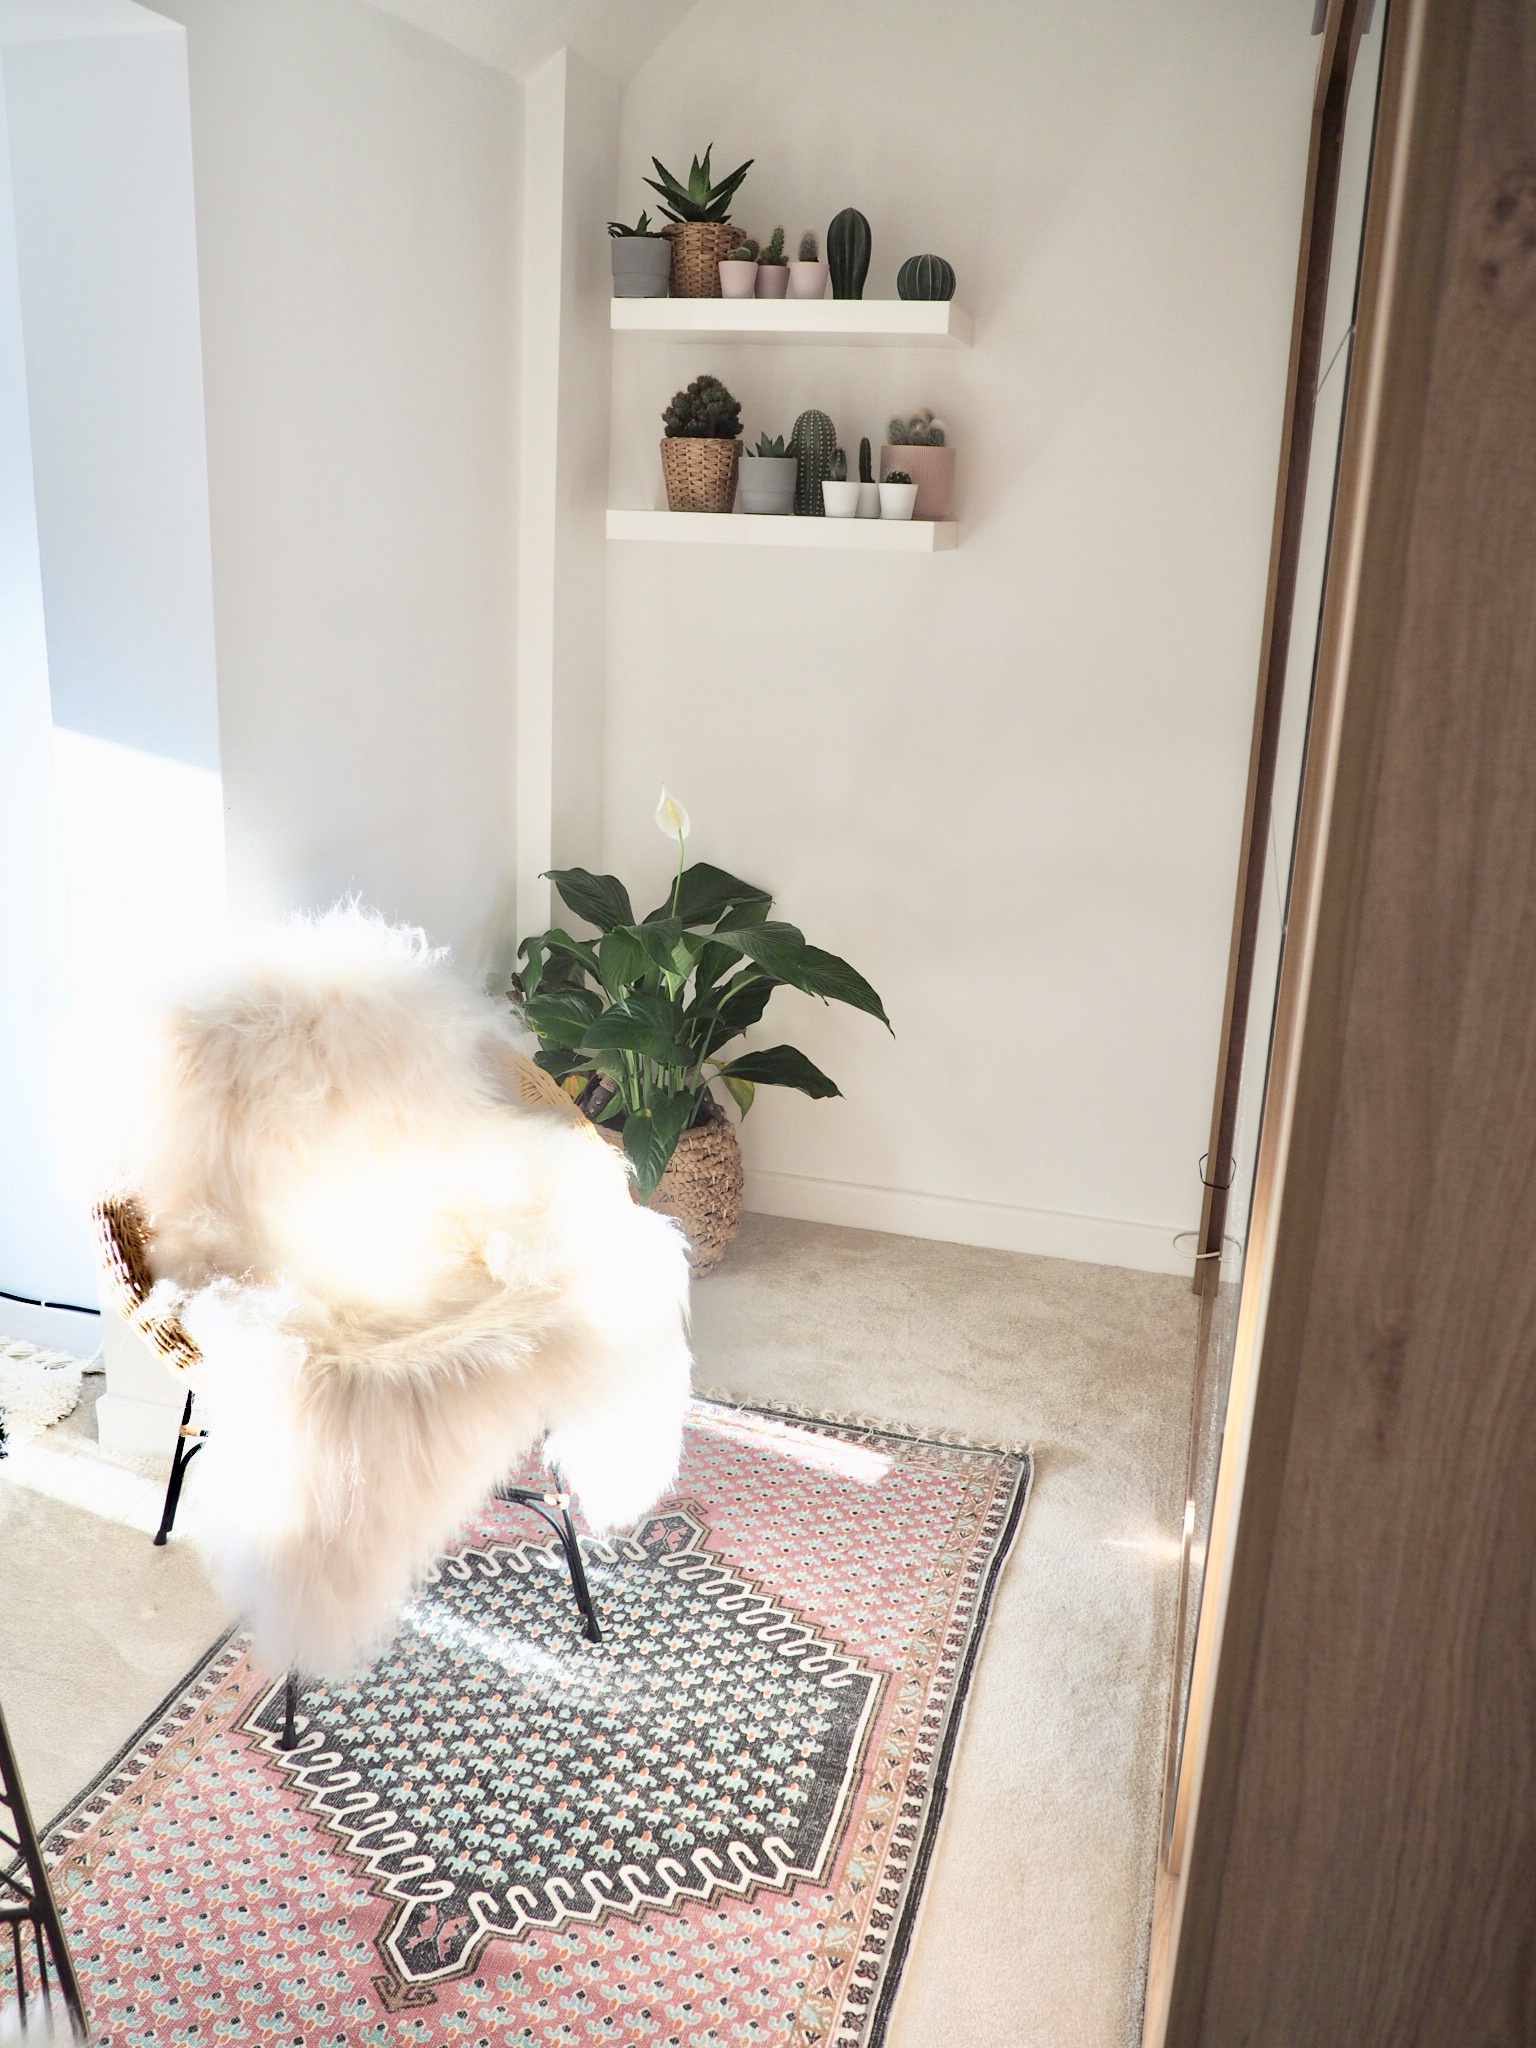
(27, 1902)
(551, 1504)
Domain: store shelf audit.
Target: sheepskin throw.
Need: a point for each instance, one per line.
(399, 1273)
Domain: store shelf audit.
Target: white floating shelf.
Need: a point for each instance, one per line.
(769, 530)
(886, 323)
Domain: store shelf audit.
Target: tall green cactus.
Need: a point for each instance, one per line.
(866, 462)
(848, 245)
(814, 441)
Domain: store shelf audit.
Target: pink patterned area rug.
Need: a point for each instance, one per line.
(709, 1830)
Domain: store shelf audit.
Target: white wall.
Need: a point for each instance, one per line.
(112, 749)
(357, 210)
(1006, 782)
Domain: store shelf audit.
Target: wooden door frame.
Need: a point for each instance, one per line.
(1342, 29)
(1423, 68)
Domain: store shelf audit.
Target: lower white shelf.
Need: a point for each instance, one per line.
(767, 530)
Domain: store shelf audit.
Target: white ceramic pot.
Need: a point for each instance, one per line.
(737, 280)
(841, 500)
(807, 280)
(869, 501)
(772, 280)
(897, 500)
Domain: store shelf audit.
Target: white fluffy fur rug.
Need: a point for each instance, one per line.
(399, 1275)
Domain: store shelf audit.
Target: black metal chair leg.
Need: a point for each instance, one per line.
(189, 1442)
(555, 1509)
(578, 1572)
(290, 1737)
(27, 1904)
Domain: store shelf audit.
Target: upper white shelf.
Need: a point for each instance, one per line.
(883, 323)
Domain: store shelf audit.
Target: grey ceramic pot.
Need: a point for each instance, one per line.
(766, 483)
(642, 266)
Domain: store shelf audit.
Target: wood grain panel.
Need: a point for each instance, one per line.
(1377, 1883)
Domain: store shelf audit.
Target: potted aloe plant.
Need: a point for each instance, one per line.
(638, 1024)
(767, 479)
(772, 269)
(642, 260)
(701, 232)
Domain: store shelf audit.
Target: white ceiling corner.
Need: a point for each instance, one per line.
(518, 36)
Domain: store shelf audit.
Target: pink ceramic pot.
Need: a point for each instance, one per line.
(737, 280)
(772, 280)
(807, 280)
(932, 470)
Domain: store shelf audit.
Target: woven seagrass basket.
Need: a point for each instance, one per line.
(700, 472)
(697, 246)
(704, 1187)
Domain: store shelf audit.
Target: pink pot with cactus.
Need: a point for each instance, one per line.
(930, 470)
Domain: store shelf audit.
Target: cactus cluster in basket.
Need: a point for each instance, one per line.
(636, 1022)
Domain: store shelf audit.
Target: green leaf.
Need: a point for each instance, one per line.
(602, 900)
(743, 1093)
(641, 1023)
(562, 1017)
(823, 974)
(669, 946)
(706, 893)
(780, 1066)
(560, 1062)
(621, 959)
(715, 1022)
(650, 1138)
(777, 947)
(714, 960)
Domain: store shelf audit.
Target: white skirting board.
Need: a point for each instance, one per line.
(1095, 1240)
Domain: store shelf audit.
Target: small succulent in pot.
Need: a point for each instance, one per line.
(699, 210)
(919, 443)
(738, 270)
(767, 481)
(840, 496)
(642, 259)
(772, 269)
(808, 272)
(898, 495)
(869, 490)
(700, 453)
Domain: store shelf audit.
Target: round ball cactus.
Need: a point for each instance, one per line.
(925, 277)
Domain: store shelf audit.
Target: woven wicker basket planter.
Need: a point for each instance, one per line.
(704, 1187)
(697, 246)
(700, 472)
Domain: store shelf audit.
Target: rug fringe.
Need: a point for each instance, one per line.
(794, 1412)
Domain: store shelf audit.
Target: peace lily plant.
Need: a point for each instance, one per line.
(636, 1022)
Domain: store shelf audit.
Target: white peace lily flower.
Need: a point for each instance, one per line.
(671, 818)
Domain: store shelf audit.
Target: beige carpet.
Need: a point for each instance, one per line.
(1033, 1933)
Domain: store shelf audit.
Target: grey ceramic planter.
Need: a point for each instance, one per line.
(766, 483)
(642, 266)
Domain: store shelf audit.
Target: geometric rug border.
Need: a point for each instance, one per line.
(926, 1814)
